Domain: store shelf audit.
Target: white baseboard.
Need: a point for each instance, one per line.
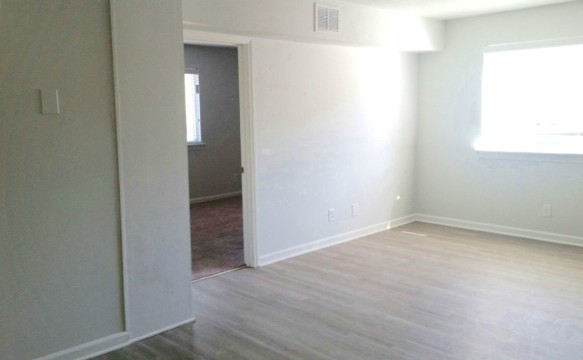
(333, 240)
(215, 197)
(503, 230)
(402, 221)
(105, 345)
(159, 331)
(92, 348)
(463, 224)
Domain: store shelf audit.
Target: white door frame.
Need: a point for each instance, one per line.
(243, 45)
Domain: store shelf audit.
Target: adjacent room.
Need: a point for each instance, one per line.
(391, 179)
(214, 159)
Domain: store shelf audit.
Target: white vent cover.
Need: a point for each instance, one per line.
(326, 18)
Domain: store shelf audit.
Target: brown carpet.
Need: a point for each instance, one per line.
(216, 229)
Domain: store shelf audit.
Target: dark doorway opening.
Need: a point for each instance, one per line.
(214, 159)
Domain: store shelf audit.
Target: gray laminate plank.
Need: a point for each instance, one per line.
(420, 291)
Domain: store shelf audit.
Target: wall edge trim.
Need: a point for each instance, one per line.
(502, 230)
(333, 240)
(215, 197)
(92, 348)
(164, 329)
(402, 221)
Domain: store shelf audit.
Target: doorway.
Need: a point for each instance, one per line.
(214, 159)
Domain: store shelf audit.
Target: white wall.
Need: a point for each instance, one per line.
(60, 248)
(215, 168)
(149, 67)
(60, 255)
(294, 20)
(456, 182)
(334, 125)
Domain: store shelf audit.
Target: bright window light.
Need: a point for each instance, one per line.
(532, 100)
(192, 92)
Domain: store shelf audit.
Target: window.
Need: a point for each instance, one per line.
(192, 92)
(532, 99)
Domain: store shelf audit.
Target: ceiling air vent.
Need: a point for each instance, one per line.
(327, 18)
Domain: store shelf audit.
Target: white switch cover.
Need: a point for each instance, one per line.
(49, 101)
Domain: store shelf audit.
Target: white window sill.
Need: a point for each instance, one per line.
(531, 151)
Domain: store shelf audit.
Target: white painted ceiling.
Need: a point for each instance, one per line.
(452, 9)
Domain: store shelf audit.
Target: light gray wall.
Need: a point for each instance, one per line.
(60, 255)
(294, 20)
(455, 181)
(149, 64)
(60, 220)
(334, 126)
(215, 168)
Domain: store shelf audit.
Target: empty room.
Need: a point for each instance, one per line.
(408, 178)
(214, 159)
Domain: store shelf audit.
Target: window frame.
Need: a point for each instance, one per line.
(570, 145)
(198, 142)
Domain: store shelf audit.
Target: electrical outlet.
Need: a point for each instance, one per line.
(547, 210)
(355, 209)
(331, 215)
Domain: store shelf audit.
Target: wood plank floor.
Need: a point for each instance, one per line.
(420, 291)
